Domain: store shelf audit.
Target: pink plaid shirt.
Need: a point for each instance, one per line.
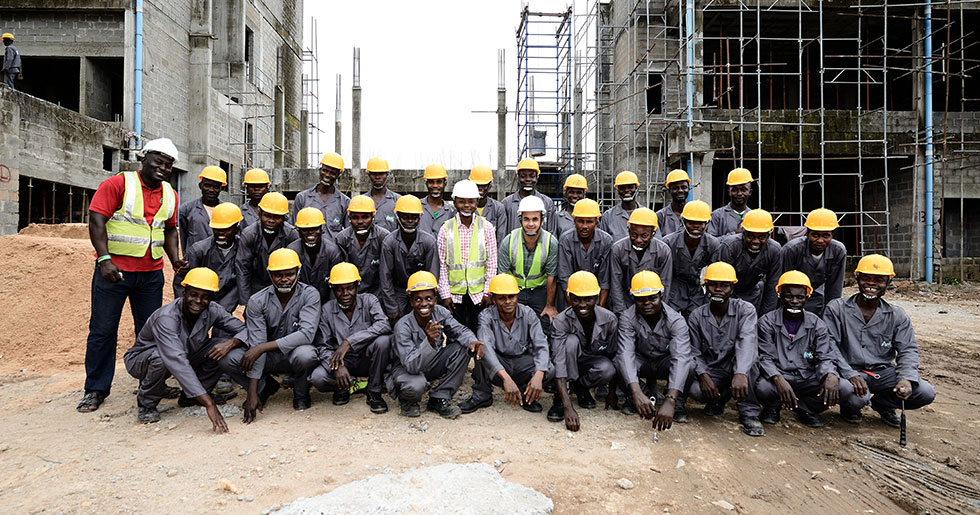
(465, 233)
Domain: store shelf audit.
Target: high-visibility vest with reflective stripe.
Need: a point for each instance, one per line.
(536, 276)
(128, 232)
(466, 276)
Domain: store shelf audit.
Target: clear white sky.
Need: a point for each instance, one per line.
(425, 67)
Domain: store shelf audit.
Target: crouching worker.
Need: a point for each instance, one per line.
(429, 345)
(653, 343)
(282, 320)
(878, 353)
(353, 340)
(797, 362)
(725, 347)
(175, 342)
(516, 352)
(582, 349)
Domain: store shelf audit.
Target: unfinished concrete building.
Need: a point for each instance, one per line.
(222, 78)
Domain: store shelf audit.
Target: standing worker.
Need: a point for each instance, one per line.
(528, 173)
(728, 218)
(257, 184)
(361, 243)
(585, 248)
(616, 220)
(530, 254)
(132, 222)
(638, 251)
(384, 199)
(11, 61)
(575, 188)
(258, 241)
(325, 196)
(317, 252)
(217, 253)
(435, 210)
(678, 186)
(404, 252)
(691, 250)
(820, 257)
(195, 216)
(489, 207)
(755, 256)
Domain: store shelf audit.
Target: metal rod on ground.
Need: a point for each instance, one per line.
(901, 437)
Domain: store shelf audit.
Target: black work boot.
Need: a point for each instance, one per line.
(713, 409)
(751, 425)
(270, 388)
(376, 403)
(770, 416)
(850, 416)
(557, 411)
(148, 415)
(341, 397)
(409, 409)
(585, 398)
(680, 414)
(444, 407)
(470, 405)
(889, 417)
(808, 419)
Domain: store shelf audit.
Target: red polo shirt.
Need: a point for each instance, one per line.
(109, 198)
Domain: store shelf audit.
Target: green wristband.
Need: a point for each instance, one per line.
(100, 259)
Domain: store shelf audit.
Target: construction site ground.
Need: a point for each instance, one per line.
(56, 459)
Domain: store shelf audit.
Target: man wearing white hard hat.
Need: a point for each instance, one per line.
(132, 223)
(467, 257)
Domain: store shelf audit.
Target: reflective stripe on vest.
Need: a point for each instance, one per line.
(535, 277)
(127, 230)
(469, 276)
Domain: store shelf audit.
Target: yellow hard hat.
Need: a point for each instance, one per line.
(875, 264)
(696, 211)
(408, 204)
(720, 271)
(794, 278)
(644, 216)
(275, 203)
(739, 176)
(586, 208)
(256, 176)
(481, 174)
(283, 259)
(646, 283)
(309, 217)
(435, 171)
(225, 215)
(677, 176)
(344, 273)
(583, 284)
(7, 35)
(757, 220)
(576, 181)
(201, 277)
(376, 164)
(215, 174)
(504, 284)
(421, 280)
(821, 219)
(333, 160)
(528, 164)
(626, 178)
(361, 204)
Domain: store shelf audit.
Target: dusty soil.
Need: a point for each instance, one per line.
(58, 460)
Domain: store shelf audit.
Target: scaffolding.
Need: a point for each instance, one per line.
(311, 97)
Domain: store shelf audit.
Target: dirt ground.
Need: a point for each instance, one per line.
(56, 459)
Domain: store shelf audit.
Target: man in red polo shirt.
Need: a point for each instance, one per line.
(132, 222)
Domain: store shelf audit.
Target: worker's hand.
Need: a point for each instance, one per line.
(612, 400)
(180, 267)
(344, 380)
(571, 418)
(218, 424)
(740, 387)
(250, 357)
(221, 349)
(476, 349)
(550, 312)
(432, 331)
(708, 388)
(644, 406)
(337, 359)
(20, 76)
(251, 406)
(665, 415)
(786, 396)
(903, 390)
(829, 392)
(110, 272)
(512, 394)
(486, 302)
(534, 387)
(860, 387)
(448, 303)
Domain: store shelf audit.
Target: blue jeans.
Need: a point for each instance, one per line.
(145, 293)
(8, 79)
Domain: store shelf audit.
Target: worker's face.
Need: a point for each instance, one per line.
(483, 189)
(361, 222)
(531, 222)
(694, 228)
(158, 166)
(872, 286)
(740, 193)
(793, 298)
(423, 302)
(378, 180)
(310, 235)
(719, 291)
(328, 175)
(819, 240)
(284, 280)
(465, 206)
(8, 42)
(435, 187)
(754, 241)
(649, 305)
(584, 307)
(585, 227)
(409, 221)
(640, 236)
(210, 189)
(255, 191)
(573, 195)
(627, 192)
(679, 190)
(224, 238)
(346, 294)
(506, 304)
(528, 179)
(270, 222)
(196, 300)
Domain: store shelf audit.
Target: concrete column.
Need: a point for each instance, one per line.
(279, 127)
(918, 252)
(84, 82)
(304, 140)
(357, 182)
(129, 67)
(199, 97)
(501, 126)
(337, 133)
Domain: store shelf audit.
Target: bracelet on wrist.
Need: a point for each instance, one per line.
(100, 259)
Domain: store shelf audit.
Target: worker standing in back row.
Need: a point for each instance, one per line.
(575, 188)
(325, 196)
(638, 251)
(404, 252)
(530, 254)
(195, 216)
(361, 243)
(755, 256)
(692, 250)
(11, 61)
(489, 207)
(384, 199)
(528, 172)
(258, 241)
(317, 252)
(818, 255)
(616, 220)
(728, 218)
(217, 253)
(435, 211)
(257, 184)
(585, 248)
(678, 186)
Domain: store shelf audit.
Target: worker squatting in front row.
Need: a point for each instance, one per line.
(714, 319)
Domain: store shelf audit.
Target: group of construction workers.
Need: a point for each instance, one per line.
(563, 300)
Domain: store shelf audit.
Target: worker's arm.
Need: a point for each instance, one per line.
(100, 240)
(170, 246)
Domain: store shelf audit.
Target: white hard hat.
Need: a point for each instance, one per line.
(530, 203)
(466, 189)
(161, 145)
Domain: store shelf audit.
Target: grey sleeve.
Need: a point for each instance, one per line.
(667, 267)
(297, 204)
(697, 345)
(432, 262)
(257, 334)
(457, 331)
(565, 262)
(324, 333)
(559, 333)
(551, 263)
(617, 297)
(787, 259)
(378, 327)
(824, 354)
(834, 282)
(309, 320)
(625, 359)
(243, 266)
(229, 324)
(173, 353)
(540, 343)
(384, 277)
(769, 297)
(767, 348)
(503, 256)
(680, 354)
(409, 353)
(903, 340)
(484, 333)
(833, 322)
(714, 227)
(747, 341)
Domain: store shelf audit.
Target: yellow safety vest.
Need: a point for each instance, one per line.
(536, 276)
(127, 230)
(466, 276)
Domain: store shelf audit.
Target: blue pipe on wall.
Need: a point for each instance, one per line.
(138, 79)
(929, 149)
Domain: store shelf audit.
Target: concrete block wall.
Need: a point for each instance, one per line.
(166, 73)
(39, 30)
